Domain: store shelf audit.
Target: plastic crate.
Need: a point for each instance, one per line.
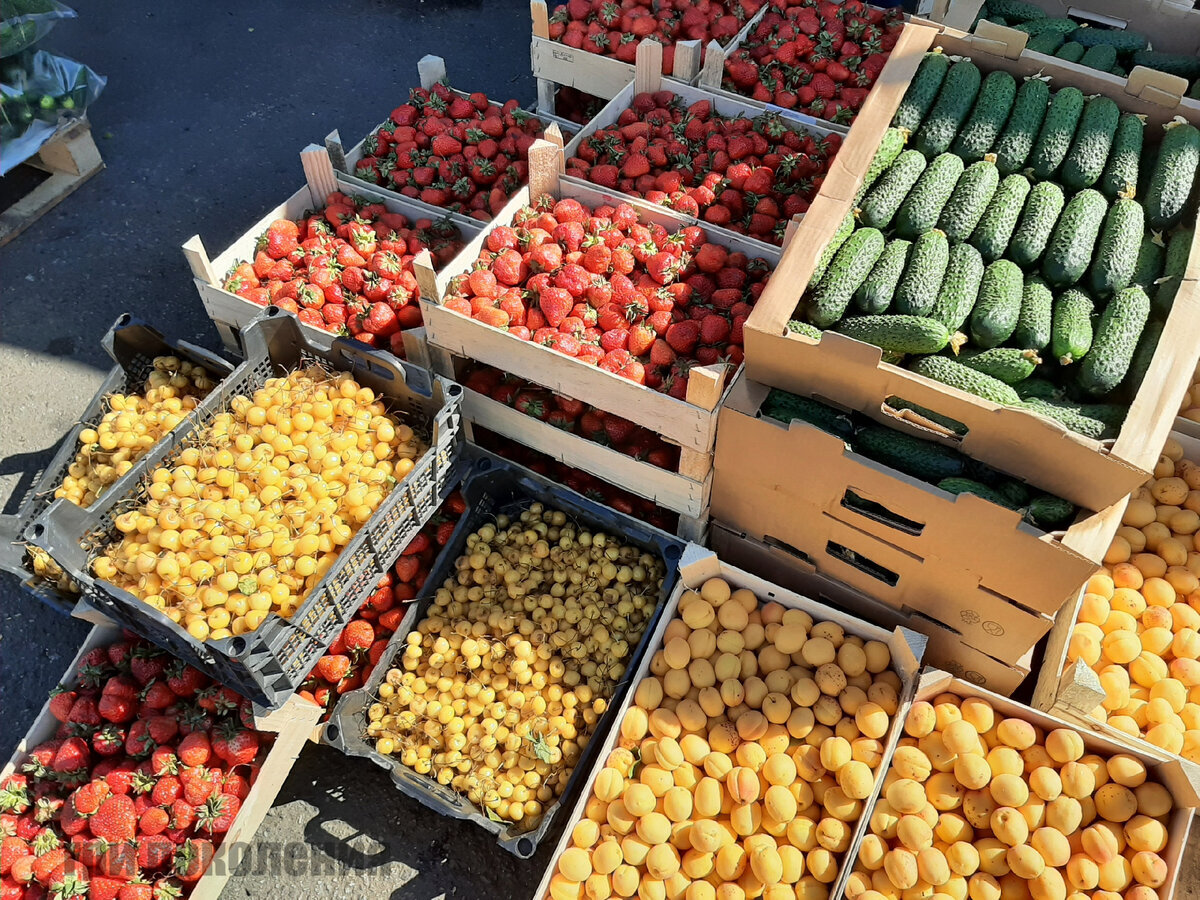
(268, 664)
(133, 346)
(492, 487)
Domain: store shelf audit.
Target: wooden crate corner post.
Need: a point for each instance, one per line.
(431, 69)
(198, 260)
(713, 69)
(336, 150)
(647, 76)
(687, 61)
(318, 172)
(545, 166)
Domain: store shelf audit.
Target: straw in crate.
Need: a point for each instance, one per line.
(246, 552)
(748, 753)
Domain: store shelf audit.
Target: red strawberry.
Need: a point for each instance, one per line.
(115, 820)
(194, 749)
(153, 821)
(138, 890)
(684, 336)
(166, 791)
(86, 799)
(218, 813)
(333, 668)
(11, 848)
(102, 887)
(714, 329)
(154, 851)
(238, 746)
(61, 701)
(192, 859)
(72, 756)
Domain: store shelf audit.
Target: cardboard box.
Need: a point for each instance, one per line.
(292, 724)
(1182, 779)
(961, 560)
(696, 567)
(231, 313)
(945, 647)
(690, 423)
(1092, 474)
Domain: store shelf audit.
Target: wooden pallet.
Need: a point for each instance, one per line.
(71, 158)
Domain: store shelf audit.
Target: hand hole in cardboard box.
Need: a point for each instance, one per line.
(862, 563)
(907, 411)
(877, 512)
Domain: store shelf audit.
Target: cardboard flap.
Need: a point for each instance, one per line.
(1156, 87)
(1000, 40)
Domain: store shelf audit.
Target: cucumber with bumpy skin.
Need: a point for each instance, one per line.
(1014, 492)
(1033, 324)
(900, 334)
(1058, 130)
(850, 267)
(922, 91)
(995, 229)
(1122, 41)
(1117, 333)
(875, 294)
(1099, 56)
(920, 210)
(1008, 364)
(960, 287)
(1120, 176)
(1173, 176)
(890, 147)
(1144, 355)
(921, 459)
(1172, 63)
(1149, 264)
(995, 314)
(1050, 512)
(988, 117)
(1065, 27)
(918, 288)
(950, 110)
(879, 205)
(958, 486)
(1015, 10)
(1175, 260)
(1071, 329)
(1071, 51)
(956, 375)
(844, 230)
(970, 199)
(1098, 421)
(1085, 160)
(1069, 251)
(1046, 42)
(795, 326)
(1043, 207)
(785, 407)
(1020, 132)
(1038, 389)
(1117, 249)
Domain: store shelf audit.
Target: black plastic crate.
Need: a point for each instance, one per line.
(269, 664)
(493, 487)
(133, 346)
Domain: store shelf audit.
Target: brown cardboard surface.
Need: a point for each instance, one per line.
(1090, 473)
(945, 647)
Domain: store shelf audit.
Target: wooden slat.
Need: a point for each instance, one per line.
(647, 76)
(545, 166)
(318, 172)
(687, 60)
(73, 158)
(431, 69)
(198, 260)
(541, 18)
(714, 66)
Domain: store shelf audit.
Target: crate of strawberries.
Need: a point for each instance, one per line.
(140, 778)
(723, 161)
(446, 150)
(633, 309)
(817, 57)
(338, 255)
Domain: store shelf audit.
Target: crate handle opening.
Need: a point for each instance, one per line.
(672, 553)
(525, 848)
(455, 389)
(896, 407)
(331, 731)
(785, 547)
(360, 361)
(862, 563)
(880, 513)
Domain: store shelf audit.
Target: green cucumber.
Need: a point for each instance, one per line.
(879, 205)
(1058, 130)
(1065, 27)
(785, 407)
(920, 210)
(1117, 333)
(1033, 324)
(922, 91)
(958, 486)
(1117, 249)
(951, 425)
(1007, 364)
(921, 459)
(1099, 56)
(1020, 132)
(1120, 176)
(950, 110)
(1069, 251)
(875, 294)
(1042, 209)
(1175, 262)
(1038, 389)
(900, 334)
(1015, 10)
(991, 111)
(960, 287)
(1046, 42)
(956, 375)
(1173, 176)
(1149, 264)
(1071, 51)
(970, 199)
(1071, 330)
(996, 311)
(1050, 512)
(1121, 41)
(922, 278)
(844, 230)
(1119, 71)
(890, 147)
(995, 229)
(795, 326)
(1014, 492)
(1098, 421)
(1172, 63)
(850, 267)
(1144, 355)
(1088, 155)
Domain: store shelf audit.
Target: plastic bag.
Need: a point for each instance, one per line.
(39, 92)
(25, 22)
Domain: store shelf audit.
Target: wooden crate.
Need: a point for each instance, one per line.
(71, 158)
(690, 423)
(430, 70)
(696, 567)
(231, 313)
(292, 724)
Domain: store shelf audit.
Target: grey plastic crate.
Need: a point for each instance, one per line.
(494, 486)
(269, 664)
(133, 346)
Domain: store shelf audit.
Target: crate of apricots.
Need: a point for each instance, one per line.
(155, 383)
(748, 754)
(246, 545)
(987, 799)
(1131, 651)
